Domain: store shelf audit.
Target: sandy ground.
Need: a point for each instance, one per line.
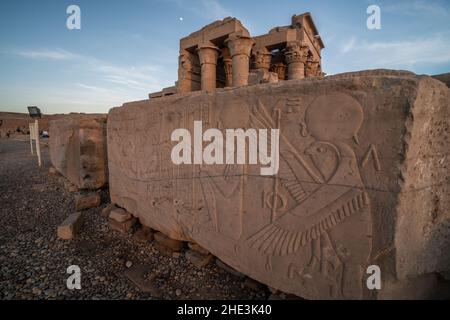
(33, 261)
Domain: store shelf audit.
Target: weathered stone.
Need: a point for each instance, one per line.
(164, 240)
(69, 227)
(166, 251)
(78, 149)
(123, 227)
(120, 215)
(107, 210)
(70, 187)
(87, 200)
(144, 234)
(363, 179)
(52, 171)
(197, 259)
(196, 247)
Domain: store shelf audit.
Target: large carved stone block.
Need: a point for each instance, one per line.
(78, 149)
(363, 179)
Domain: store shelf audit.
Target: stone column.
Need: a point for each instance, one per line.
(227, 63)
(295, 55)
(240, 48)
(280, 69)
(261, 59)
(185, 67)
(312, 68)
(208, 54)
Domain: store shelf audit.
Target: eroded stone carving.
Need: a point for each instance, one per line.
(312, 229)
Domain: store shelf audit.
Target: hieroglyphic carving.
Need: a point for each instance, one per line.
(338, 194)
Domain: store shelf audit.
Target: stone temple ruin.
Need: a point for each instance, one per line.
(223, 54)
(363, 172)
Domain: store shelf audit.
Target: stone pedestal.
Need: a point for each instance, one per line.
(240, 48)
(295, 56)
(208, 54)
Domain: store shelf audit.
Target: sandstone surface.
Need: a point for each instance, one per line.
(363, 180)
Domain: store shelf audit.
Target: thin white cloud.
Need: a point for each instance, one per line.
(417, 7)
(349, 45)
(431, 50)
(46, 54)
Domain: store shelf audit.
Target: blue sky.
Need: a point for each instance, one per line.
(127, 49)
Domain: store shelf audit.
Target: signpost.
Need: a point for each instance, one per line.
(35, 113)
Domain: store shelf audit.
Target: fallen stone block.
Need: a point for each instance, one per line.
(69, 227)
(361, 179)
(77, 148)
(123, 227)
(107, 210)
(120, 215)
(197, 259)
(164, 240)
(87, 201)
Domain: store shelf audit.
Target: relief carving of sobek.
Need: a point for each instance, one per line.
(346, 190)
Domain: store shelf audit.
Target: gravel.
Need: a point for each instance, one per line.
(34, 262)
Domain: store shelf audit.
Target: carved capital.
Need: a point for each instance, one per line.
(261, 58)
(239, 45)
(296, 52)
(280, 69)
(207, 54)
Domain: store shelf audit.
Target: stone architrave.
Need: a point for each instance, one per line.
(77, 147)
(363, 180)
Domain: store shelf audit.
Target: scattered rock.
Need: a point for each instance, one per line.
(144, 234)
(86, 201)
(52, 171)
(107, 210)
(175, 245)
(123, 227)
(120, 215)
(69, 227)
(197, 259)
(128, 264)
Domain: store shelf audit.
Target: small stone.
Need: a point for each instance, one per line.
(70, 187)
(197, 259)
(144, 234)
(86, 201)
(69, 227)
(122, 227)
(107, 210)
(176, 255)
(175, 245)
(52, 171)
(120, 215)
(128, 264)
(178, 292)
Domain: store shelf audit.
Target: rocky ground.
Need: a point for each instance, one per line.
(33, 261)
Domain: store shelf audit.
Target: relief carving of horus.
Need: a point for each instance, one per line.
(329, 195)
